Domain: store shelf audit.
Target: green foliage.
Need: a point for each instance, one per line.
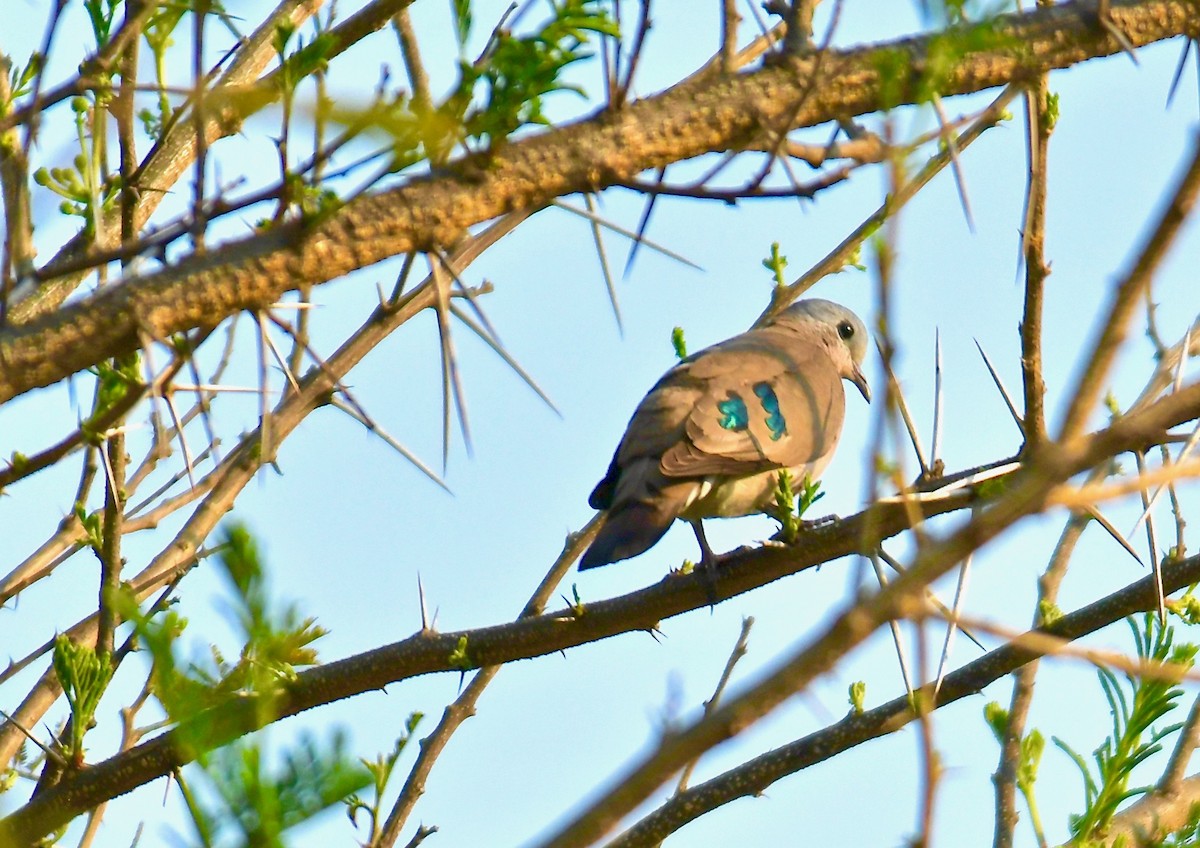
(114, 380)
(903, 79)
(501, 92)
(1032, 746)
(679, 344)
(252, 799)
(461, 10)
(578, 607)
(790, 505)
(84, 194)
(997, 719)
(260, 804)
(893, 67)
(158, 31)
(1048, 613)
(381, 770)
(858, 696)
(93, 527)
(458, 657)
(1189, 835)
(20, 83)
(275, 641)
(307, 59)
(1186, 607)
(517, 72)
(101, 14)
(84, 674)
(1146, 701)
(993, 488)
(18, 462)
(775, 263)
(854, 260)
(1050, 112)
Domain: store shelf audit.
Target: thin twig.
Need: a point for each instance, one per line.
(739, 651)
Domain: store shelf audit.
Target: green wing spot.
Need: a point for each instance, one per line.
(770, 405)
(734, 415)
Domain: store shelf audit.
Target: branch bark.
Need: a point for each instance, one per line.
(754, 777)
(711, 113)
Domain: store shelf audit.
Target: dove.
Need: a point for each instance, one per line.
(711, 436)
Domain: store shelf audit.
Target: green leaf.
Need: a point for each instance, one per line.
(678, 342)
(84, 674)
(458, 657)
(858, 694)
(461, 10)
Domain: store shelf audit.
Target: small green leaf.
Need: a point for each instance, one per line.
(84, 675)
(858, 695)
(458, 657)
(775, 263)
(678, 342)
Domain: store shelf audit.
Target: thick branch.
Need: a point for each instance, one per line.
(712, 113)
(752, 778)
(1153, 818)
(427, 652)
(741, 571)
(1027, 494)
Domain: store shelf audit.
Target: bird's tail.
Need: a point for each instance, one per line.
(630, 529)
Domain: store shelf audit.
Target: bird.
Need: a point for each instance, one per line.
(710, 438)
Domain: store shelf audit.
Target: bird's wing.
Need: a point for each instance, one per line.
(766, 399)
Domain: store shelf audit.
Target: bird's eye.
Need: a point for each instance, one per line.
(845, 330)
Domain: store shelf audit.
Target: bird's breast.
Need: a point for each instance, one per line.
(729, 497)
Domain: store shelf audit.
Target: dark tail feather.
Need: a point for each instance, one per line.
(630, 529)
(602, 496)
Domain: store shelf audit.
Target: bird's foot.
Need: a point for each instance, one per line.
(708, 565)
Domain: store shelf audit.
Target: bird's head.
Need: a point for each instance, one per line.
(845, 327)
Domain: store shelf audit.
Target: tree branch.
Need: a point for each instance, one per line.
(609, 148)
(755, 776)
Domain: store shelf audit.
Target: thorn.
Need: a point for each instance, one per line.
(642, 224)
(938, 399)
(960, 180)
(1187, 448)
(425, 628)
(1179, 69)
(960, 592)
(897, 635)
(1012, 408)
(47, 750)
(1183, 357)
(605, 270)
(1099, 518)
(177, 422)
(1106, 21)
(1155, 563)
(918, 448)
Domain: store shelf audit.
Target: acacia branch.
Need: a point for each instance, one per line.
(428, 652)
(740, 571)
(755, 776)
(1026, 495)
(592, 154)
(225, 483)
(1154, 817)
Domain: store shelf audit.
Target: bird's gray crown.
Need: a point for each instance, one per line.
(848, 326)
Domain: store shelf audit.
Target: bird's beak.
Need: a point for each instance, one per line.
(859, 380)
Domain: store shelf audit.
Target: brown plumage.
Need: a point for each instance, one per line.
(711, 436)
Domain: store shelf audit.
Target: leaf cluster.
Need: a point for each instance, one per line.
(1135, 707)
